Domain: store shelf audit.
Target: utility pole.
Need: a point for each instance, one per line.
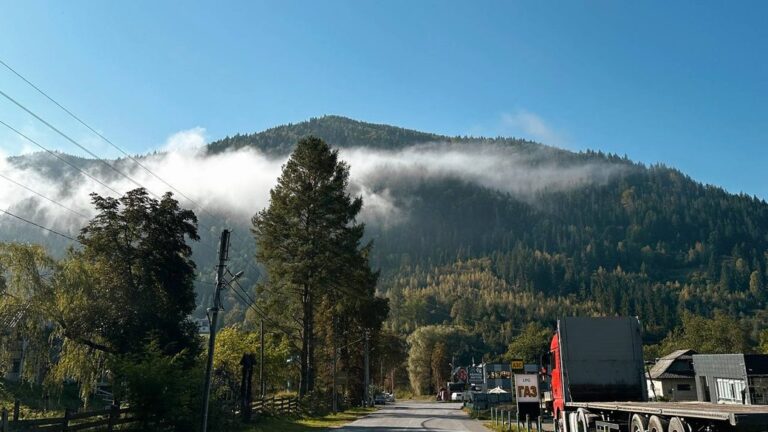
(334, 405)
(367, 368)
(262, 384)
(213, 314)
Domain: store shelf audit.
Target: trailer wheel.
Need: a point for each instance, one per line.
(638, 424)
(657, 424)
(678, 425)
(584, 420)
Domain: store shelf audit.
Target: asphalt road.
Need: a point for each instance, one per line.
(417, 416)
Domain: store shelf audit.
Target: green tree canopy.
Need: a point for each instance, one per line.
(310, 243)
(717, 335)
(532, 342)
(137, 252)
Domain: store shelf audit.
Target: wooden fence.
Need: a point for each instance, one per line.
(104, 420)
(276, 406)
(110, 419)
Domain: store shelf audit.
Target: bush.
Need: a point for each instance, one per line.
(164, 390)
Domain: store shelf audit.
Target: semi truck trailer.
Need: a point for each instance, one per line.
(597, 377)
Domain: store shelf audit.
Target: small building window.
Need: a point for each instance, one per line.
(730, 390)
(683, 387)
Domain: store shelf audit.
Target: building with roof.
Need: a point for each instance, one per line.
(673, 377)
(732, 378)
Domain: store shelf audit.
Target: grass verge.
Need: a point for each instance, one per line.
(294, 424)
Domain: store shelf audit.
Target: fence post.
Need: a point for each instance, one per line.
(16, 405)
(528, 422)
(517, 420)
(509, 417)
(114, 415)
(65, 420)
(538, 424)
(4, 420)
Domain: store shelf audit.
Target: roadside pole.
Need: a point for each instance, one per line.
(262, 384)
(213, 314)
(367, 369)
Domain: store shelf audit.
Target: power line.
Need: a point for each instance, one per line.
(57, 156)
(82, 122)
(40, 226)
(252, 304)
(68, 138)
(78, 119)
(107, 140)
(43, 196)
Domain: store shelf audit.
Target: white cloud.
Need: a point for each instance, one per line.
(190, 140)
(532, 126)
(238, 182)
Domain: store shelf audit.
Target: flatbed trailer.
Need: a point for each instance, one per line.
(694, 415)
(597, 360)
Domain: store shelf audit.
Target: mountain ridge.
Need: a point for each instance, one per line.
(644, 240)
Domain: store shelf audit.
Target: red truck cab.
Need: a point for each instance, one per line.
(556, 379)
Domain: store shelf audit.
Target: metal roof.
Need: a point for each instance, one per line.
(660, 369)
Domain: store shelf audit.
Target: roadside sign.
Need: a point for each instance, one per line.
(476, 374)
(517, 365)
(527, 394)
(527, 387)
(462, 375)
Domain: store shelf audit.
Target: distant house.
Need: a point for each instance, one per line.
(203, 326)
(673, 377)
(732, 378)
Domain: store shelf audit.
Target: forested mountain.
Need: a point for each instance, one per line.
(620, 238)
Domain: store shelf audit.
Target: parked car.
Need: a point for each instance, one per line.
(390, 397)
(457, 396)
(380, 399)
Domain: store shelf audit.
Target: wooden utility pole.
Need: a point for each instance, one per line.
(246, 362)
(262, 384)
(213, 314)
(367, 369)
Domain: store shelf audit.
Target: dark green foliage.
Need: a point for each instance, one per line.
(164, 390)
(310, 244)
(137, 249)
(532, 342)
(717, 335)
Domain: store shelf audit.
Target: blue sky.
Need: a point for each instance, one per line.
(683, 83)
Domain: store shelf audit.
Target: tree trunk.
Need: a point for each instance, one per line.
(304, 378)
(310, 345)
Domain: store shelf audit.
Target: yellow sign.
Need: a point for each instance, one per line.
(517, 365)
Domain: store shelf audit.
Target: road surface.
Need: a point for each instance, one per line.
(417, 416)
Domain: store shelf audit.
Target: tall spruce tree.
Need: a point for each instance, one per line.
(310, 243)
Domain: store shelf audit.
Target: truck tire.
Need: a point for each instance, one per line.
(573, 422)
(638, 423)
(678, 425)
(585, 420)
(657, 424)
